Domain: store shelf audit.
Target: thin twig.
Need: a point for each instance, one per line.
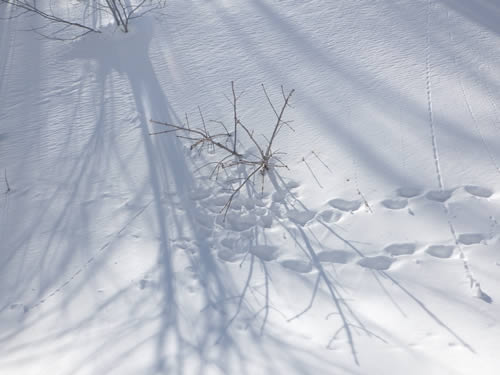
(322, 162)
(235, 116)
(225, 209)
(310, 170)
(6, 181)
(204, 136)
(368, 207)
(276, 127)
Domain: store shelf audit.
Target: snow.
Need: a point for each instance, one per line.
(376, 252)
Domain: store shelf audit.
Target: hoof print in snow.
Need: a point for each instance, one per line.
(470, 238)
(278, 196)
(220, 200)
(240, 223)
(400, 249)
(199, 194)
(439, 195)
(395, 204)
(379, 262)
(228, 242)
(229, 256)
(297, 265)
(265, 253)
(478, 191)
(408, 192)
(300, 217)
(336, 256)
(330, 216)
(206, 221)
(440, 251)
(345, 205)
(266, 221)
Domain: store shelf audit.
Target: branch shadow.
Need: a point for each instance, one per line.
(74, 261)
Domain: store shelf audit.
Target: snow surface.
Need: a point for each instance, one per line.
(376, 253)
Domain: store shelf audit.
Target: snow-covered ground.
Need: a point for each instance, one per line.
(377, 252)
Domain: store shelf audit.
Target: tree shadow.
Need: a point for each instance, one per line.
(85, 235)
(228, 296)
(482, 12)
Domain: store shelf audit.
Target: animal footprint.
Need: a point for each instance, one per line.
(265, 253)
(345, 205)
(330, 216)
(200, 194)
(439, 195)
(478, 191)
(297, 265)
(229, 256)
(408, 192)
(470, 238)
(440, 251)
(395, 204)
(240, 222)
(335, 256)
(266, 221)
(206, 221)
(379, 262)
(300, 217)
(401, 249)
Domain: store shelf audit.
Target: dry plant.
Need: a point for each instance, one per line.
(124, 11)
(60, 28)
(227, 142)
(31, 8)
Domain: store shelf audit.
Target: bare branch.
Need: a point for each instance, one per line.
(276, 127)
(31, 7)
(204, 136)
(261, 163)
(6, 182)
(121, 11)
(235, 116)
(250, 135)
(225, 209)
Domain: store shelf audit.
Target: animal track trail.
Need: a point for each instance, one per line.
(90, 260)
(430, 110)
(460, 240)
(441, 196)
